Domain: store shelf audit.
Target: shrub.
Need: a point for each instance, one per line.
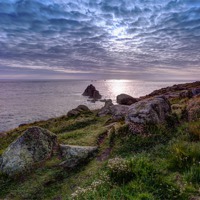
(184, 154)
(194, 129)
(119, 170)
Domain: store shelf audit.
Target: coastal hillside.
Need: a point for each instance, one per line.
(145, 148)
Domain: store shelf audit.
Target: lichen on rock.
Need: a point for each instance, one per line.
(35, 145)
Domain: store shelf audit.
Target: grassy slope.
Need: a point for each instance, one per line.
(164, 164)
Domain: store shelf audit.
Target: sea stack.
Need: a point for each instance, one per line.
(92, 92)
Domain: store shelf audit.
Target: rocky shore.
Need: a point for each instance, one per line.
(72, 149)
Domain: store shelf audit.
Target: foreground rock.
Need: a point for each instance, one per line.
(92, 92)
(78, 110)
(193, 109)
(125, 99)
(34, 146)
(76, 155)
(153, 110)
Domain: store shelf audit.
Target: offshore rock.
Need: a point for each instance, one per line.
(34, 146)
(125, 99)
(153, 110)
(75, 155)
(92, 92)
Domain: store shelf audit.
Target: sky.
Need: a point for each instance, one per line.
(100, 39)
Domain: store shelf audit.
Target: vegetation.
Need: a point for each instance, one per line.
(163, 163)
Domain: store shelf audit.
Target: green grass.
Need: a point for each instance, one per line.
(163, 164)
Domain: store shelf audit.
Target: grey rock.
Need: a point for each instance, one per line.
(34, 146)
(106, 109)
(76, 111)
(75, 155)
(125, 99)
(186, 94)
(196, 91)
(153, 110)
(193, 109)
(119, 112)
(83, 108)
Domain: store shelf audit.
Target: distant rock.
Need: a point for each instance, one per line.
(34, 146)
(76, 111)
(125, 99)
(153, 110)
(75, 155)
(92, 92)
(193, 109)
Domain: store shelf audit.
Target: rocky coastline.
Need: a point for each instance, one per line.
(84, 137)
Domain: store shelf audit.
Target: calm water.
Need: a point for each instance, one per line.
(29, 101)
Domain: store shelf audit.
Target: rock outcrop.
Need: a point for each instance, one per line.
(193, 109)
(106, 109)
(125, 99)
(92, 92)
(75, 155)
(34, 146)
(78, 110)
(153, 110)
(118, 112)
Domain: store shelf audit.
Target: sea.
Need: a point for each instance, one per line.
(26, 101)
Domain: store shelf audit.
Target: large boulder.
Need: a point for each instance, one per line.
(193, 109)
(118, 112)
(106, 109)
(125, 99)
(153, 110)
(75, 155)
(92, 92)
(34, 146)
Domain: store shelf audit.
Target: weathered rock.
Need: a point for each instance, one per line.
(106, 109)
(83, 108)
(119, 112)
(75, 155)
(92, 92)
(195, 91)
(125, 99)
(193, 109)
(153, 110)
(77, 111)
(34, 146)
(186, 94)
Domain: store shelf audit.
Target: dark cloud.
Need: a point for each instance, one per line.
(115, 38)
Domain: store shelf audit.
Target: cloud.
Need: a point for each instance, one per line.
(121, 37)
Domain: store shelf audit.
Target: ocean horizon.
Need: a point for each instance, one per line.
(25, 101)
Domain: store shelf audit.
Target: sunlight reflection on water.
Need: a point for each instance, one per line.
(28, 101)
